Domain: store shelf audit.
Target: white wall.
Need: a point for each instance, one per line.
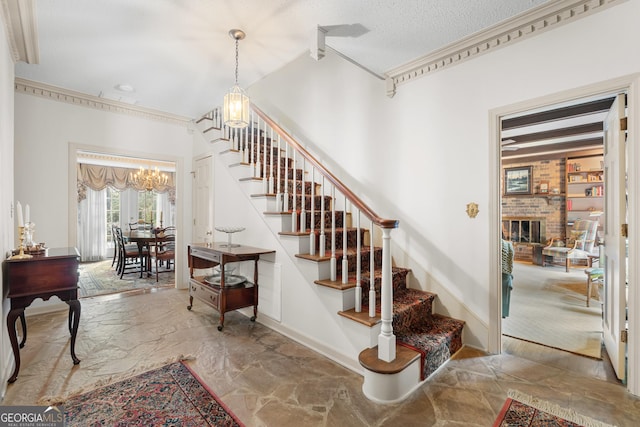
(44, 132)
(424, 154)
(6, 191)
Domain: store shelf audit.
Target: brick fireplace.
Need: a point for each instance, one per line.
(530, 220)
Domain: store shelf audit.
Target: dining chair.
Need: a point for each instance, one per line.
(115, 245)
(164, 249)
(140, 225)
(129, 256)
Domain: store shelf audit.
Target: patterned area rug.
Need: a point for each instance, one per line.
(169, 396)
(99, 278)
(521, 410)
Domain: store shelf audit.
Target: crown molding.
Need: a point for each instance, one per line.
(19, 18)
(528, 24)
(81, 99)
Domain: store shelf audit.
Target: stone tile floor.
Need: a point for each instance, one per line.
(268, 380)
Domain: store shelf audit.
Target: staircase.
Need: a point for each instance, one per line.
(345, 255)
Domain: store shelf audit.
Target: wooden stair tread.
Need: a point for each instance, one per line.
(336, 284)
(362, 317)
(404, 357)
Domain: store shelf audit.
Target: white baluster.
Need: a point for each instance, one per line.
(271, 171)
(279, 183)
(245, 146)
(252, 154)
(312, 233)
(303, 198)
(386, 339)
(322, 236)
(265, 176)
(332, 262)
(285, 205)
(358, 266)
(258, 167)
(294, 213)
(372, 288)
(345, 261)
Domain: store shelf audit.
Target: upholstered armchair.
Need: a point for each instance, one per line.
(581, 244)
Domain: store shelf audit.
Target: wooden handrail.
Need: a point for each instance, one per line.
(381, 222)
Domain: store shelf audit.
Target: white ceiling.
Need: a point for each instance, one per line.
(178, 57)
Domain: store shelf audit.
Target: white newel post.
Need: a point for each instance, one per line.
(386, 339)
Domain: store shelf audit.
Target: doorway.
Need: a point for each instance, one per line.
(552, 173)
(124, 200)
(628, 85)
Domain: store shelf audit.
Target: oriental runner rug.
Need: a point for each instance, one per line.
(521, 410)
(168, 396)
(100, 278)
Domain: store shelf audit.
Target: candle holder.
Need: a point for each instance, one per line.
(29, 231)
(21, 254)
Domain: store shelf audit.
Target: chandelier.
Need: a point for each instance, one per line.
(236, 102)
(149, 179)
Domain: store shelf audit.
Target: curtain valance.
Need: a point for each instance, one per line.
(99, 177)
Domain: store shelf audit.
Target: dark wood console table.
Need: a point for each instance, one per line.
(54, 273)
(223, 297)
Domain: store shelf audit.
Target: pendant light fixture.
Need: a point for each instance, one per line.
(236, 102)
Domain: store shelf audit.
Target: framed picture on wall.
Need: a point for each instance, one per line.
(544, 187)
(517, 180)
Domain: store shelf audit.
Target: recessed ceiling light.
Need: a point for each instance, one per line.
(123, 87)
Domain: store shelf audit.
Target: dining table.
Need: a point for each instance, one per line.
(144, 239)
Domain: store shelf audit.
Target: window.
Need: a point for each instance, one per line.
(113, 213)
(147, 206)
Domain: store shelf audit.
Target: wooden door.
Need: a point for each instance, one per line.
(615, 258)
(203, 200)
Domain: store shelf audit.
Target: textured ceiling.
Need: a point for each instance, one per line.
(178, 57)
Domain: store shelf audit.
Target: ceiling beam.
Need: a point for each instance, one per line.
(563, 147)
(554, 133)
(558, 114)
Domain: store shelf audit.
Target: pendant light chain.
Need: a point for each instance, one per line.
(236, 62)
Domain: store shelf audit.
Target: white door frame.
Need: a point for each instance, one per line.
(631, 85)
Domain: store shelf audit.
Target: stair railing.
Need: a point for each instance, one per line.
(249, 142)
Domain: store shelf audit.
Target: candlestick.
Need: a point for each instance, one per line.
(26, 214)
(21, 254)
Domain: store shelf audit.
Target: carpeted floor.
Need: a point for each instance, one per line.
(168, 396)
(548, 306)
(99, 278)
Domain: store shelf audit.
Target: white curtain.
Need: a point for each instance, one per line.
(92, 239)
(167, 208)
